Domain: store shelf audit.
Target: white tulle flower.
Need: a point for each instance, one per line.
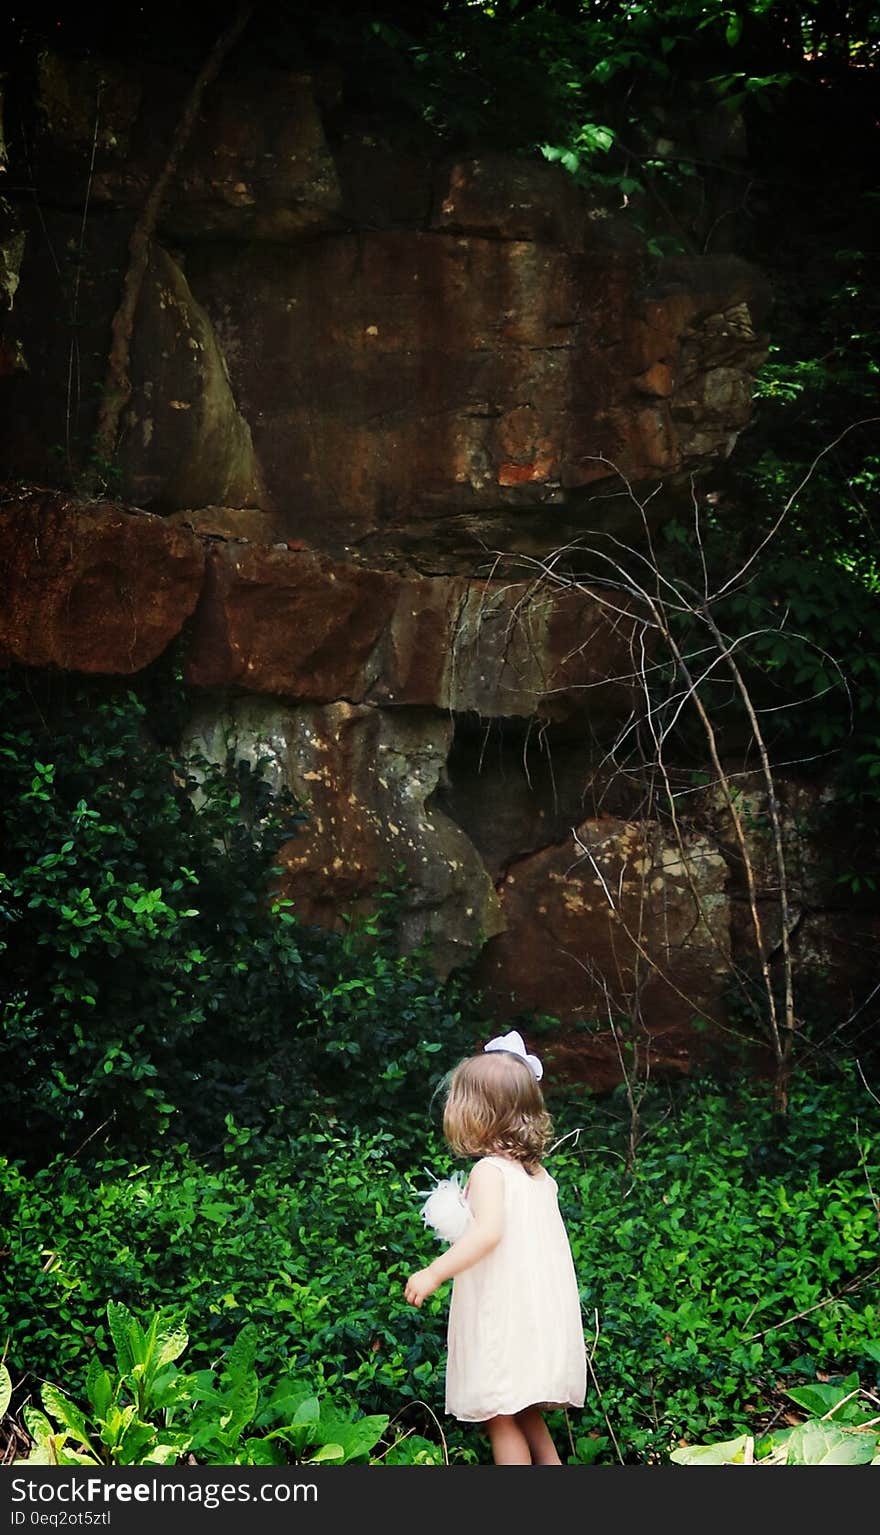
(446, 1209)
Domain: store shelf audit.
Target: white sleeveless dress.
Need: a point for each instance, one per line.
(515, 1333)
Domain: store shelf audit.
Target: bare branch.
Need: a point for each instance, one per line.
(774, 529)
(117, 388)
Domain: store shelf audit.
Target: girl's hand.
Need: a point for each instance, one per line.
(419, 1286)
(486, 1199)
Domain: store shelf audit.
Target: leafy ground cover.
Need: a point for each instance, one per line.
(262, 1196)
(727, 1270)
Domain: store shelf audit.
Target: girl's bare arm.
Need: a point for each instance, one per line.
(486, 1200)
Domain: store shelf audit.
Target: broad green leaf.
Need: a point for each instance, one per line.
(821, 1444)
(99, 1388)
(308, 1414)
(208, 1437)
(357, 1436)
(53, 1451)
(772, 1443)
(5, 1390)
(60, 1407)
(164, 1455)
(285, 1401)
(239, 1402)
(116, 1423)
(588, 1449)
(41, 1456)
(298, 1436)
(170, 1345)
(241, 1405)
(728, 1452)
(169, 1388)
(262, 1452)
(132, 1448)
(359, 1441)
(140, 1343)
(37, 1425)
(595, 136)
(119, 1320)
(240, 1360)
(68, 1457)
(821, 1399)
(327, 1452)
(207, 1402)
(200, 1382)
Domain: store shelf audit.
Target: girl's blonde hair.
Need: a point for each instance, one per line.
(494, 1106)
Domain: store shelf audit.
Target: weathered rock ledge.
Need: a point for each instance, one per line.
(443, 730)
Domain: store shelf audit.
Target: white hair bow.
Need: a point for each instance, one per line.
(515, 1045)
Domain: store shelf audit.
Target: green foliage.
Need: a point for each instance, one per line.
(308, 1241)
(149, 1412)
(728, 1263)
(807, 468)
(149, 978)
(609, 91)
(733, 1262)
(818, 384)
(412, 1449)
(841, 1431)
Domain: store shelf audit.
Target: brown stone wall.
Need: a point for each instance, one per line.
(361, 378)
(391, 367)
(92, 588)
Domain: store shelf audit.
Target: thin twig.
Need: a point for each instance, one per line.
(863, 1158)
(431, 1413)
(73, 355)
(65, 1162)
(868, 1090)
(589, 1357)
(829, 1300)
(774, 529)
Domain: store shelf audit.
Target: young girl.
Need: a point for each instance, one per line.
(516, 1342)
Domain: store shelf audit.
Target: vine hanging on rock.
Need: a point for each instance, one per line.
(117, 386)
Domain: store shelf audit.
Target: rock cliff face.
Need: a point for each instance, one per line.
(356, 375)
(392, 357)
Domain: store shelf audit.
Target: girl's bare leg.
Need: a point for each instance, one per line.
(537, 1436)
(510, 1446)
